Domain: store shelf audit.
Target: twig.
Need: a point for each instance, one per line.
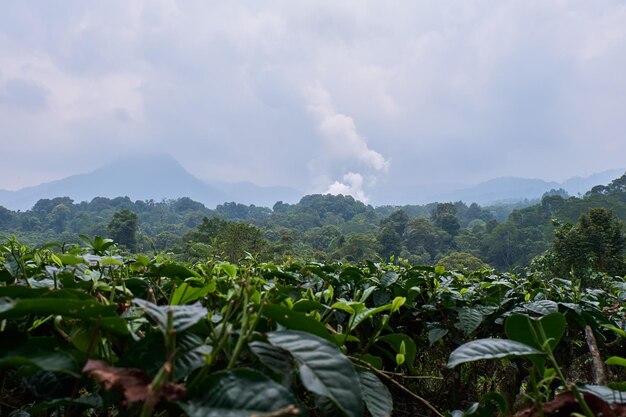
(290, 410)
(599, 375)
(411, 376)
(398, 385)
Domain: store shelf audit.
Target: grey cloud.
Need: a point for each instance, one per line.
(23, 94)
(438, 92)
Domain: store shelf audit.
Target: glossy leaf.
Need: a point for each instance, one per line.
(375, 394)
(616, 360)
(469, 320)
(237, 393)
(296, 321)
(489, 349)
(323, 369)
(183, 317)
(526, 330)
(278, 360)
(187, 294)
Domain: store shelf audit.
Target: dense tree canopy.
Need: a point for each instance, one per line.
(336, 227)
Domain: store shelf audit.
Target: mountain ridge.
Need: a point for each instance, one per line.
(152, 177)
(160, 176)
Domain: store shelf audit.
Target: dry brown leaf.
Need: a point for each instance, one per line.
(133, 383)
(563, 405)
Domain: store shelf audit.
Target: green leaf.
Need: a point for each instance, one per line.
(237, 393)
(274, 358)
(616, 330)
(350, 307)
(82, 309)
(190, 355)
(616, 360)
(435, 334)
(375, 361)
(296, 321)
(397, 303)
(324, 370)
(542, 307)
(176, 271)
(375, 394)
(183, 317)
(80, 402)
(70, 259)
(489, 349)
(469, 320)
(304, 306)
(388, 279)
(526, 330)
(187, 294)
(40, 353)
(229, 269)
(395, 340)
(110, 260)
(368, 312)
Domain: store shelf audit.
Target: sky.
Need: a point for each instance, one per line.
(371, 99)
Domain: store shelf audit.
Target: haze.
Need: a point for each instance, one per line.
(372, 99)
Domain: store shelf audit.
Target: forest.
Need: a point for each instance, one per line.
(327, 307)
(321, 228)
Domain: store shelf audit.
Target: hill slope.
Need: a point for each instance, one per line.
(154, 177)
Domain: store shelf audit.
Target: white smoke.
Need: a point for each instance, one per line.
(344, 144)
(352, 185)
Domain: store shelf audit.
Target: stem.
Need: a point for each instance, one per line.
(533, 384)
(221, 341)
(377, 334)
(573, 389)
(398, 385)
(242, 332)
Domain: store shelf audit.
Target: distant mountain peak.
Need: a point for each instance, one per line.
(152, 176)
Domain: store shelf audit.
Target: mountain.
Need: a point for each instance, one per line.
(515, 189)
(153, 177)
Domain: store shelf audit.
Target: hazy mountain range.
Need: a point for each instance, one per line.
(162, 177)
(513, 189)
(145, 178)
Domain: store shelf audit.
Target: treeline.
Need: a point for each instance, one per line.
(330, 228)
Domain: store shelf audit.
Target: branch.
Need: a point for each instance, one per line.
(599, 375)
(398, 385)
(391, 374)
(290, 410)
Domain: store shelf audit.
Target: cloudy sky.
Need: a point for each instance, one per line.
(359, 97)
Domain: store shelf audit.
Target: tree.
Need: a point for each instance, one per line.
(229, 239)
(57, 218)
(123, 228)
(595, 243)
(398, 220)
(444, 217)
(420, 234)
(357, 248)
(390, 242)
(462, 260)
(6, 218)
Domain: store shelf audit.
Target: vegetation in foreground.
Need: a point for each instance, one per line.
(88, 331)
